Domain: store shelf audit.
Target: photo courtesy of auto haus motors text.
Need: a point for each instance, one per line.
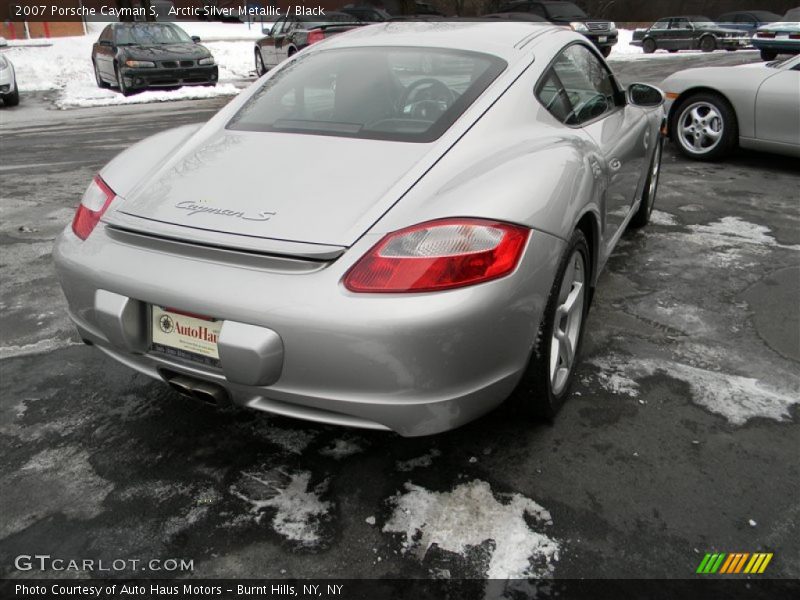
(399, 299)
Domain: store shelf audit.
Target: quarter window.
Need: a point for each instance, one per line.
(577, 88)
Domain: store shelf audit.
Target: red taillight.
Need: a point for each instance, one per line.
(439, 255)
(94, 203)
(765, 34)
(314, 36)
(794, 36)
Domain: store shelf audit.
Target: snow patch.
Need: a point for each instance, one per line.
(341, 448)
(733, 230)
(426, 460)
(293, 441)
(658, 217)
(735, 397)
(467, 517)
(298, 509)
(40, 347)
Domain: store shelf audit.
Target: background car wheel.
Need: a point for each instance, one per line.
(123, 89)
(768, 55)
(605, 51)
(545, 383)
(704, 127)
(12, 99)
(261, 69)
(649, 46)
(292, 51)
(100, 81)
(708, 43)
(642, 216)
(673, 51)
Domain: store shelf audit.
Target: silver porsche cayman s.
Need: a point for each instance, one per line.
(398, 228)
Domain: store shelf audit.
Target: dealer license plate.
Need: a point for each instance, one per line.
(185, 336)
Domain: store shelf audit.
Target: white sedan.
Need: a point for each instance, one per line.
(713, 109)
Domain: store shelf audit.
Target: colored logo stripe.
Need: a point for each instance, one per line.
(733, 563)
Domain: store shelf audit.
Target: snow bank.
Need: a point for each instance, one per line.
(66, 66)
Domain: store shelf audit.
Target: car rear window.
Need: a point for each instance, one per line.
(384, 93)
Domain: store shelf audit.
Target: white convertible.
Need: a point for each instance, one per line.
(713, 109)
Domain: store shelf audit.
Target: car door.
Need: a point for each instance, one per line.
(777, 112)
(268, 44)
(619, 131)
(104, 53)
(680, 34)
(283, 39)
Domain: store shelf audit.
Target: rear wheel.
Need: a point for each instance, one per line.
(545, 385)
(768, 55)
(642, 216)
(673, 51)
(708, 43)
(649, 46)
(704, 127)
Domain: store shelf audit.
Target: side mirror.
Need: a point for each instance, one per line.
(645, 95)
(266, 30)
(196, 39)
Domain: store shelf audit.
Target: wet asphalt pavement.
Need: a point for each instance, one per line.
(681, 435)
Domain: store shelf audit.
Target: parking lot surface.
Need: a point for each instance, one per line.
(680, 436)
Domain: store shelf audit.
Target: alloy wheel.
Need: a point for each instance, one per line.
(568, 322)
(700, 127)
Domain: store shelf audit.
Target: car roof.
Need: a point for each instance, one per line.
(502, 38)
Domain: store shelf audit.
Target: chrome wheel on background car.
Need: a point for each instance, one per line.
(100, 81)
(702, 127)
(123, 89)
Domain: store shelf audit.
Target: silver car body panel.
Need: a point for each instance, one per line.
(413, 363)
(764, 98)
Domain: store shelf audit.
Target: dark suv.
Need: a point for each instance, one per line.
(603, 34)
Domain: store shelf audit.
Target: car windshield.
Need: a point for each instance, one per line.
(564, 11)
(386, 93)
(151, 34)
(792, 16)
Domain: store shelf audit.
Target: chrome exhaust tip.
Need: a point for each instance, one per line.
(197, 389)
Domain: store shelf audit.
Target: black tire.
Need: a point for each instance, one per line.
(123, 89)
(534, 396)
(649, 46)
(673, 51)
(101, 83)
(768, 55)
(261, 68)
(708, 43)
(291, 52)
(642, 216)
(12, 99)
(730, 127)
(605, 51)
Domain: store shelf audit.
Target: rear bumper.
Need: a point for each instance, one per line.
(160, 77)
(416, 364)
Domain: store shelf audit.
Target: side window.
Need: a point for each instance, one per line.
(587, 83)
(662, 24)
(280, 27)
(106, 35)
(553, 96)
(680, 24)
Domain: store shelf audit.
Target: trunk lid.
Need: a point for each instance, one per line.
(248, 186)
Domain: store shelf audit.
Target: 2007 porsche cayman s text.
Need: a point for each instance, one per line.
(432, 209)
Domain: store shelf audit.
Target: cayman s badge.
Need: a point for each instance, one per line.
(201, 207)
